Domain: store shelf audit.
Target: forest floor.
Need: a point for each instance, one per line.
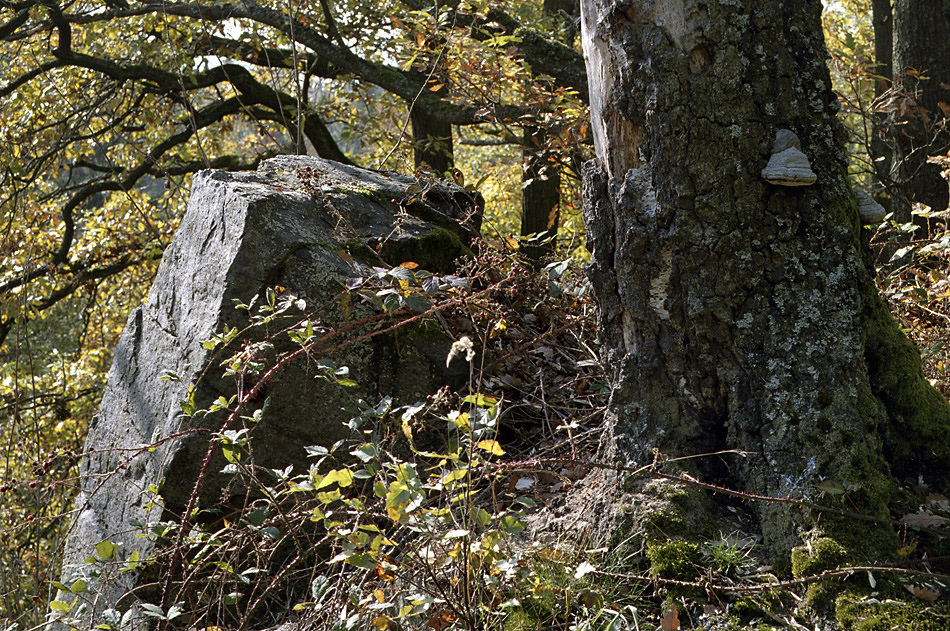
(545, 366)
(446, 532)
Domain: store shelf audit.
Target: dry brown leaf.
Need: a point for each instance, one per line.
(670, 621)
(938, 501)
(444, 619)
(924, 519)
(924, 593)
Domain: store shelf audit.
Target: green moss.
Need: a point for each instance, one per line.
(866, 541)
(885, 616)
(917, 436)
(521, 620)
(824, 554)
(750, 608)
(675, 559)
(362, 253)
(669, 510)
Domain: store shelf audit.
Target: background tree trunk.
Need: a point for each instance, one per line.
(540, 196)
(880, 150)
(541, 178)
(921, 61)
(432, 142)
(736, 314)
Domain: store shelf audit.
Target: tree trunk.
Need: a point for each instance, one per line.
(921, 59)
(880, 149)
(736, 314)
(541, 178)
(540, 196)
(432, 142)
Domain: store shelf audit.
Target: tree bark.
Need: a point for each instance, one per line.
(921, 60)
(540, 196)
(432, 142)
(880, 149)
(735, 314)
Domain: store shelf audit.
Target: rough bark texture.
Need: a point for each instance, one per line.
(921, 60)
(735, 314)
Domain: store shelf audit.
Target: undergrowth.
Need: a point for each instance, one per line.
(423, 518)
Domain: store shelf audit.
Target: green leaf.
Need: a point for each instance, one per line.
(328, 497)
(58, 605)
(418, 303)
(831, 487)
(482, 518)
(343, 477)
(392, 303)
(401, 273)
(153, 611)
(318, 587)
(231, 452)
(315, 451)
(105, 550)
(233, 598)
(512, 525)
(363, 560)
(271, 533)
(455, 474)
(258, 516)
(366, 452)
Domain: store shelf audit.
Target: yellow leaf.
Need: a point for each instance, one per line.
(500, 327)
(461, 421)
(381, 623)
(492, 446)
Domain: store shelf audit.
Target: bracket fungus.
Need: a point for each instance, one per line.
(788, 166)
(871, 212)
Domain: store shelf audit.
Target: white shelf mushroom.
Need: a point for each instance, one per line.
(788, 166)
(871, 212)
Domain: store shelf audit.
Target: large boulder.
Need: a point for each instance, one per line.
(301, 225)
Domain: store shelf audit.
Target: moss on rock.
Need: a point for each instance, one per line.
(873, 615)
(436, 251)
(824, 553)
(675, 559)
